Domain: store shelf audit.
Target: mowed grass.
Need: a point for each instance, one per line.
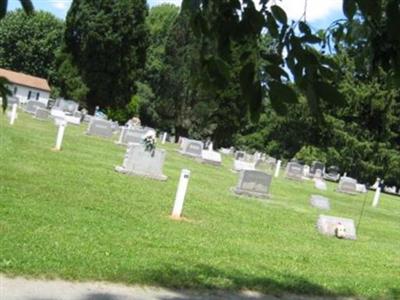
(69, 215)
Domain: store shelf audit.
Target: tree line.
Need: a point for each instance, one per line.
(163, 65)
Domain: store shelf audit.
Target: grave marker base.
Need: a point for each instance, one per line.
(122, 170)
(240, 192)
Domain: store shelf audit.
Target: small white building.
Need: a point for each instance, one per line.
(26, 87)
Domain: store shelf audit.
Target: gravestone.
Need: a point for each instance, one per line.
(320, 184)
(114, 126)
(225, 151)
(329, 225)
(100, 127)
(332, 174)
(306, 170)
(361, 188)
(41, 114)
(139, 162)
(253, 183)
(317, 166)
(193, 148)
(12, 100)
(240, 155)
(320, 202)
(133, 135)
(294, 171)
(239, 165)
(72, 120)
(32, 105)
(68, 106)
(264, 165)
(78, 114)
(347, 185)
(211, 157)
(87, 118)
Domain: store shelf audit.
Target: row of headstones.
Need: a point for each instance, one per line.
(256, 183)
(252, 183)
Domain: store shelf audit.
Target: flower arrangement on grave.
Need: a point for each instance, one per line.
(340, 231)
(149, 140)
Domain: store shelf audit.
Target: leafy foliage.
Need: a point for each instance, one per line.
(28, 42)
(107, 41)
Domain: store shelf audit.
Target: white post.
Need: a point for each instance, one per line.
(164, 138)
(211, 146)
(278, 168)
(180, 193)
(60, 135)
(13, 113)
(376, 197)
(121, 135)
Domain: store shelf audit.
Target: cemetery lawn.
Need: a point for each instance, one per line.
(69, 215)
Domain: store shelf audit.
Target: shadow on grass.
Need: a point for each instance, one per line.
(208, 279)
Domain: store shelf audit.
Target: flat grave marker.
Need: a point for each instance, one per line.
(320, 202)
(336, 226)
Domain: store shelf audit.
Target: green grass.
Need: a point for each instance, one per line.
(69, 215)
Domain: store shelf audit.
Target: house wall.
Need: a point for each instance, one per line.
(22, 93)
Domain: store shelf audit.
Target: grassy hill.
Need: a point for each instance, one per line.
(69, 215)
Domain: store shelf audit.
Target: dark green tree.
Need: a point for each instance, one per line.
(107, 41)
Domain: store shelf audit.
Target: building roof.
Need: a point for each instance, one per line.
(25, 80)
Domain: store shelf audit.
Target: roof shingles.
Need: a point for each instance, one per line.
(25, 80)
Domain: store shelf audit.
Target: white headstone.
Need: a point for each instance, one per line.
(277, 168)
(239, 165)
(347, 185)
(211, 157)
(335, 226)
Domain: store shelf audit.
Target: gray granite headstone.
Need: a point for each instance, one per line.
(139, 162)
(320, 202)
(41, 114)
(32, 105)
(193, 148)
(133, 135)
(87, 118)
(329, 225)
(68, 106)
(253, 183)
(100, 127)
(294, 171)
(347, 185)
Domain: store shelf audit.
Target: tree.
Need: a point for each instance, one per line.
(107, 41)
(28, 8)
(28, 42)
(159, 22)
(314, 73)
